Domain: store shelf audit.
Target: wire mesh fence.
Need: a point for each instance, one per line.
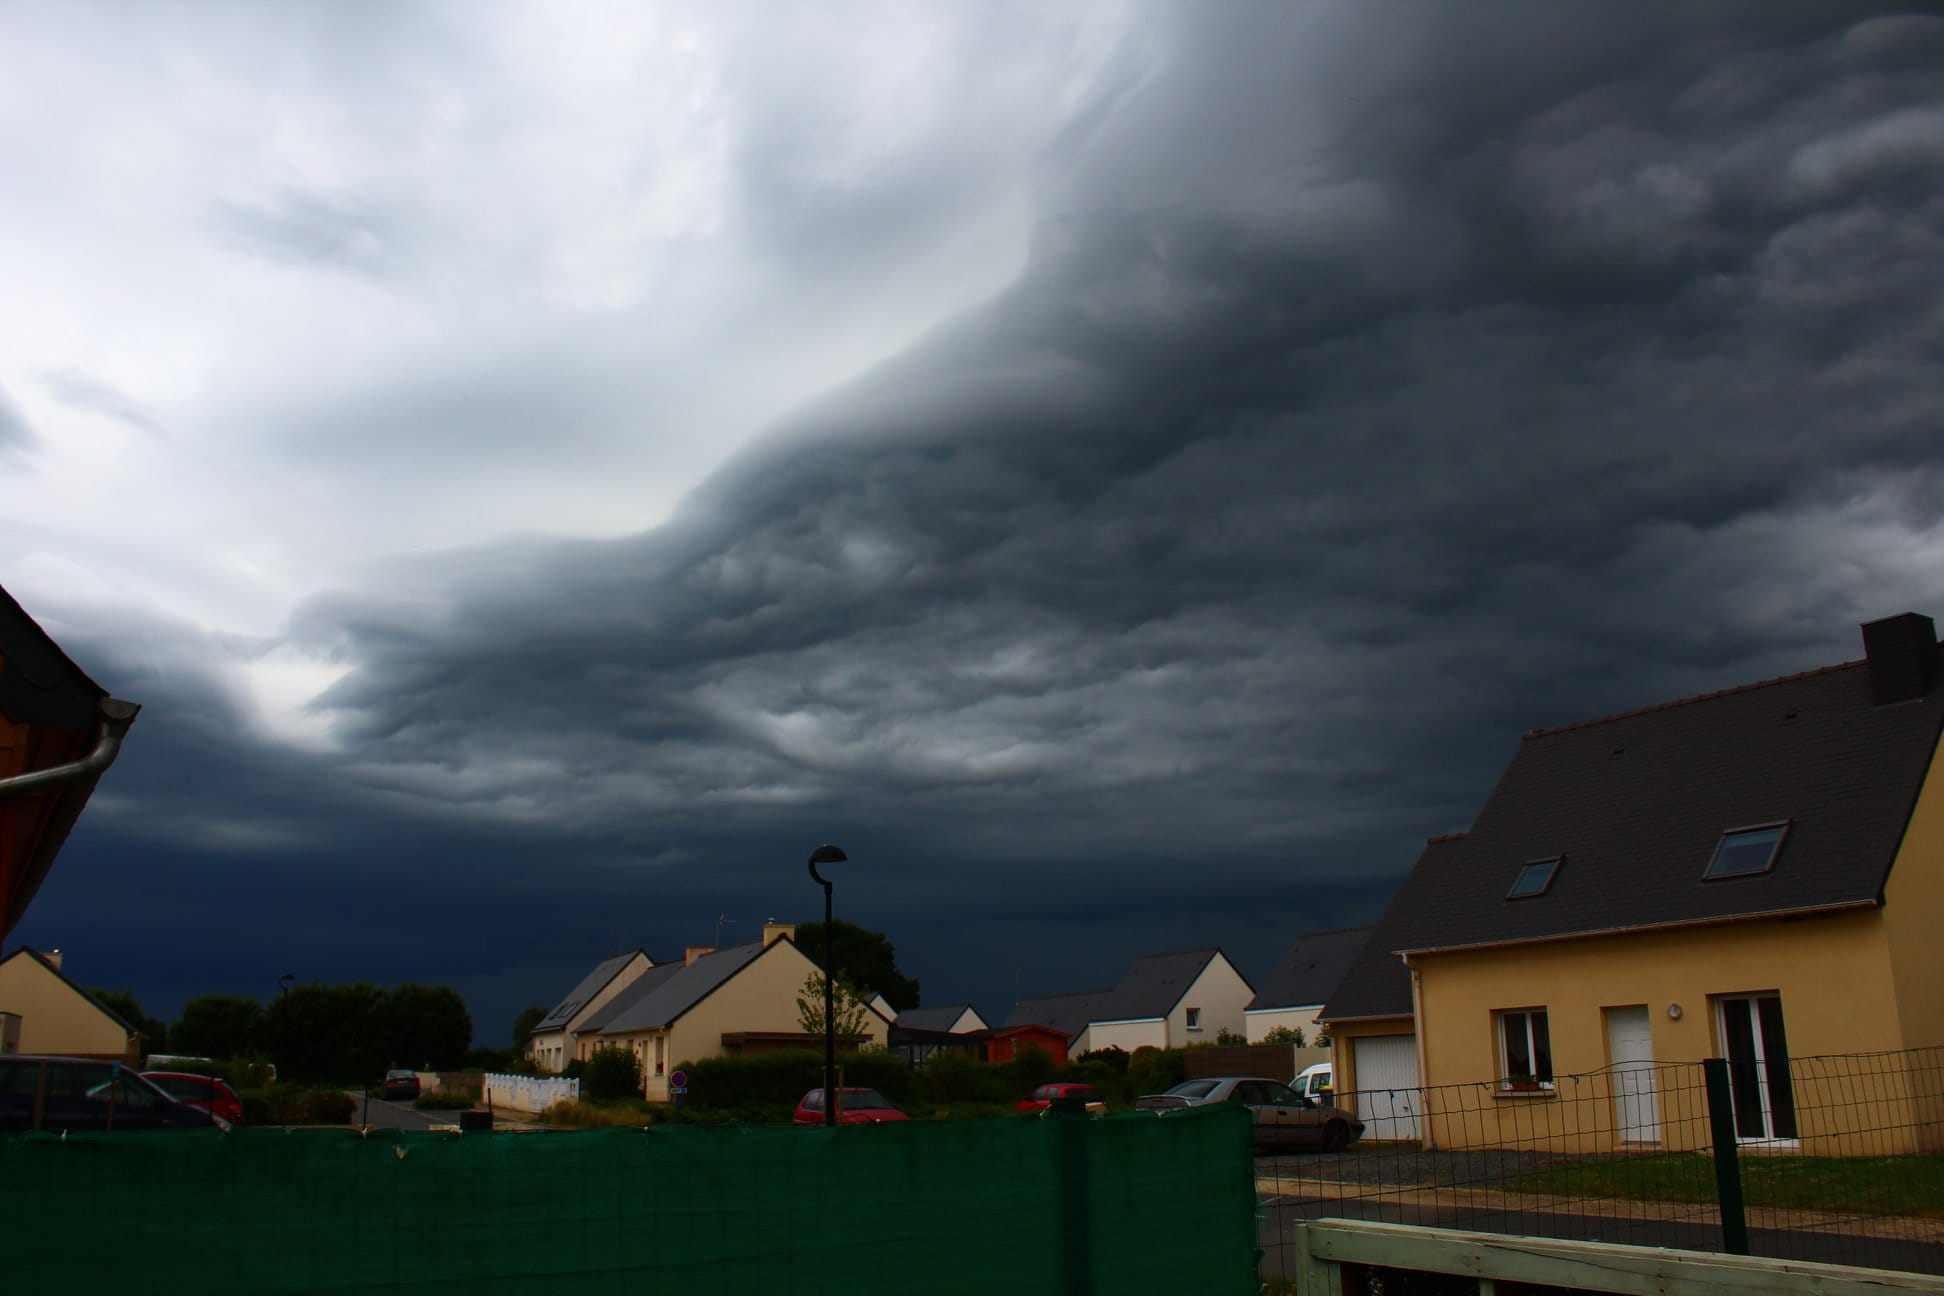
(1837, 1159)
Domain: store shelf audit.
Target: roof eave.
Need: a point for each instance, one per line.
(1676, 925)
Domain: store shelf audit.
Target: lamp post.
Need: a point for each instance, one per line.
(828, 854)
(283, 983)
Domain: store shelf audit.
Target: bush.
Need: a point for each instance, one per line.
(1284, 1035)
(613, 1072)
(1030, 1068)
(1152, 1070)
(769, 1085)
(463, 1100)
(956, 1077)
(1113, 1056)
(568, 1114)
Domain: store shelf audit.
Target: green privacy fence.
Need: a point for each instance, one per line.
(1065, 1205)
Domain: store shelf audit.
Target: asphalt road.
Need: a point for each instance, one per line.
(382, 1113)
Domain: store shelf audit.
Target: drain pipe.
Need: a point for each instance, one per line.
(115, 717)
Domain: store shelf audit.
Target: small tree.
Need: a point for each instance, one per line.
(852, 1014)
(613, 1072)
(1285, 1035)
(1229, 1038)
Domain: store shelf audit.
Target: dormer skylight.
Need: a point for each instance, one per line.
(1534, 878)
(1743, 851)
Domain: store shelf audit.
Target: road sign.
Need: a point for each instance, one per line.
(678, 1080)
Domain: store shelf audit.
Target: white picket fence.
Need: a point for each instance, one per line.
(532, 1094)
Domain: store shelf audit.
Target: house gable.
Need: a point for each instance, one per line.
(58, 1016)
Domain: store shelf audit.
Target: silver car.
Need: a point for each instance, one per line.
(1284, 1119)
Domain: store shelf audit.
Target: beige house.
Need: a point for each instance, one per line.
(53, 1015)
(551, 1046)
(1755, 874)
(710, 1004)
(1165, 1001)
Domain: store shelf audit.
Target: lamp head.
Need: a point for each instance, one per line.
(825, 854)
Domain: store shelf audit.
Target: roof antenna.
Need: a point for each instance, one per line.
(720, 920)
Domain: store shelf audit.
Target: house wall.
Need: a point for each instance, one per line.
(1129, 1035)
(554, 1049)
(56, 1018)
(1261, 1021)
(761, 997)
(1004, 1048)
(1913, 914)
(1833, 974)
(1223, 997)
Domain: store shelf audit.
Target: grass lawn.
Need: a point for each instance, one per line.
(1906, 1185)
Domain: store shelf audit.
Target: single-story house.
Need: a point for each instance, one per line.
(1295, 992)
(551, 1045)
(743, 998)
(1164, 1001)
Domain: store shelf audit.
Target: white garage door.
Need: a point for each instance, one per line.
(1387, 1085)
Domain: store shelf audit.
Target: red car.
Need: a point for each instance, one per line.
(206, 1092)
(854, 1107)
(1048, 1094)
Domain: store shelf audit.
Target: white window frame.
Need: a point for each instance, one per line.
(1764, 1087)
(1194, 1019)
(1502, 1020)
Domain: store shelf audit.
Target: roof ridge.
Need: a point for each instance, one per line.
(1690, 701)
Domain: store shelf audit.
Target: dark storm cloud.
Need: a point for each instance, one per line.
(1376, 390)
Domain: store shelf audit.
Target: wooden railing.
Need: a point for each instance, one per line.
(1323, 1248)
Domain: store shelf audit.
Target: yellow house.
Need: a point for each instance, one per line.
(1755, 874)
(551, 1045)
(51, 1014)
(711, 1002)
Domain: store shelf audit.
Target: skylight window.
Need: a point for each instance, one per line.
(1534, 878)
(1742, 851)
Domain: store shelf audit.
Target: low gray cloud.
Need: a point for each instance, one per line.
(1502, 370)
(321, 230)
(83, 392)
(16, 437)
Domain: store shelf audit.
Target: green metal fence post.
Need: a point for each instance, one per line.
(1727, 1166)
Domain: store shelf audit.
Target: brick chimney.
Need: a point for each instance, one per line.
(773, 929)
(1902, 655)
(690, 953)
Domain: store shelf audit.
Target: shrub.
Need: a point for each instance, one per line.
(1030, 1068)
(568, 1114)
(1113, 1056)
(956, 1077)
(1228, 1038)
(1285, 1035)
(324, 1107)
(1152, 1070)
(613, 1072)
(772, 1083)
(463, 1100)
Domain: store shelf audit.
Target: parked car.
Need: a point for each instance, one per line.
(63, 1093)
(854, 1107)
(211, 1093)
(1284, 1119)
(399, 1084)
(1047, 1094)
(1315, 1082)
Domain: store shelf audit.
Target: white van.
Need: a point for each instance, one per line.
(1314, 1082)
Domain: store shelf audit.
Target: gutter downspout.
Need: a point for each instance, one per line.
(1426, 1137)
(116, 716)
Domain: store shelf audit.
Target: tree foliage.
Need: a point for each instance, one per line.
(219, 1026)
(612, 1072)
(853, 1015)
(866, 961)
(523, 1027)
(122, 1003)
(1284, 1035)
(352, 1034)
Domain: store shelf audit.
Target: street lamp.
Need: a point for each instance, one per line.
(828, 854)
(283, 983)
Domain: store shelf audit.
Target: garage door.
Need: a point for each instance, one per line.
(1387, 1085)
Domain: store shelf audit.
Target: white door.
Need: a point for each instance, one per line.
(1387, 1085)
(1630, 1044)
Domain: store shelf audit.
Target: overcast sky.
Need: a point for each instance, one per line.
(1126, 472)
